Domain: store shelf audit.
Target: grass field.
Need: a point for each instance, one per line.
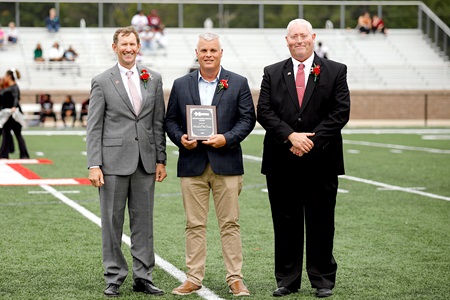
(392, 223)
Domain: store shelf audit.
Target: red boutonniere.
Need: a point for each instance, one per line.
(315, 70)
(145, 76)
(223, 85)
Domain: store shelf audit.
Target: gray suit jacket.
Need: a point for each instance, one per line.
(116, 137)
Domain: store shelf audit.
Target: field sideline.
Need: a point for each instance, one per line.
(392, 220)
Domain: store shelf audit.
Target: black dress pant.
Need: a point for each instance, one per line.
(300, 203)
(8, 142)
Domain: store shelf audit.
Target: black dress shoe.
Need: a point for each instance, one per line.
(281, 291)
(147, 287)
(323, 293)
(112, 290)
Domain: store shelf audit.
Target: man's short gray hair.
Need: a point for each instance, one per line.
(300, 22)
(210, 36)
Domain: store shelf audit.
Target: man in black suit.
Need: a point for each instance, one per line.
(304, 103)
(213, 165)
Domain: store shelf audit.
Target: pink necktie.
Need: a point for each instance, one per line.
(300, 83)
(134, 93)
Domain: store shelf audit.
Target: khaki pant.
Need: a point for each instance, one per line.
(225, 190)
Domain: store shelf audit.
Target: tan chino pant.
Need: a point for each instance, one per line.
(196, 193)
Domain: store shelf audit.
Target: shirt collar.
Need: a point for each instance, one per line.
(124, 70)
(308, 62)
(215, 80)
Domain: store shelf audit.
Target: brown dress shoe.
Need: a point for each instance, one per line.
(238, 288)
(186, 288)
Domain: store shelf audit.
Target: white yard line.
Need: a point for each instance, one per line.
(163, 264)
(394, 187)
(379, 184)
(398, 147)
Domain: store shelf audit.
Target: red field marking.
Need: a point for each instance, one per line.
(13, 173)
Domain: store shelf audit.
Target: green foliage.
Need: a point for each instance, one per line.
(235, 16)
(389, 244)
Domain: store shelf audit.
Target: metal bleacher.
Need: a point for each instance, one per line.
(401, 60)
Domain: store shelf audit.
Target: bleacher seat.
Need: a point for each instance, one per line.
(401, 60)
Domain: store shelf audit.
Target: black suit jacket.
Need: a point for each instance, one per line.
(325, 111)
(235, 120)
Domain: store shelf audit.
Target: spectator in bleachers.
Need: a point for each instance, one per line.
(139, 21)
(12, 33)
(364, 23)
(70, 54)
(154, 20)
(160, 38)
(84, 111)
(55, 53)
(378, 25)
(10, 97)
(2, 37)
(52, 21)
(39, 53)
(321, 50)
(46, 109)
(68, 110)
(146, 37)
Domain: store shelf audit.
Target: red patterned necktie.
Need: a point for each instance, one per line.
(134, 93)
(300, 83)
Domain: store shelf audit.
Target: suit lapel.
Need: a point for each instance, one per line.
(311, 84)
(193, 88)
(218, 94)
(288, 75)
(143, 89)
(117, 82)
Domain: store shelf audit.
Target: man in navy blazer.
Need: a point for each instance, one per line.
(303, 157)
(213, 165)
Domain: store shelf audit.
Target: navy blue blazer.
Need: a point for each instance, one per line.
(325, 111)
(235, 120)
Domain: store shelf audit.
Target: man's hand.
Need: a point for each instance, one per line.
(216, 141)
(301, 144)
(188, 144)
(160, 172)
(96, 177)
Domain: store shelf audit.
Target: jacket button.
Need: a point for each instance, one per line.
(136, 138)
(299, 119)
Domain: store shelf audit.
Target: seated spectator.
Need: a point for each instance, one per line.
(55, 53)
(160, 38)
(70, 54)
(154, 20)
(139, 21)
(39, 53)
(84, 111)
(13, 33)
(378, 25)
(68, 110)
(321, 50)
(46, 109)
(364, 23)
(52, 21)
(2, 36)
(146, 37)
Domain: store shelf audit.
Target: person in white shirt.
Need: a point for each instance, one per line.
(55, 53)
(13, 33)
(139, 21)
(321, 50)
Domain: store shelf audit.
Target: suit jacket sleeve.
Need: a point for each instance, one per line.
(338, 114)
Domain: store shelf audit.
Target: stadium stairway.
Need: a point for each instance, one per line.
(401, 60)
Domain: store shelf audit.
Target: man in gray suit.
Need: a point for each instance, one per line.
(213, 165)
(126, 152)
